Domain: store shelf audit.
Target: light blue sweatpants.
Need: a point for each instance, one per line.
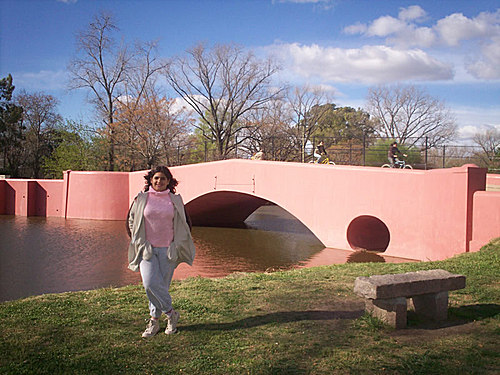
(156, 276)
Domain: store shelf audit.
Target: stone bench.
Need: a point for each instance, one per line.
(385, 295)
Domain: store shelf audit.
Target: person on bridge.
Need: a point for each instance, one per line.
(393, 153)
(259, 155)
(160, 239)
(320, 151)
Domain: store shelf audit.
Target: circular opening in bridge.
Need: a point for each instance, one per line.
(368, 233)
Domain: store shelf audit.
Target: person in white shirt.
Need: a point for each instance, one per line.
(160, 239)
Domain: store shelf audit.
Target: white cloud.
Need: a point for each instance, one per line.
(42, 80)
(402, 31)
(181, 105)
(357, 28)
(450, 30)
(370, 64)
(413, 12)
(411, 36)
(472, 120)
(385, 26)
(467, 133)
(456, 28)
(481, 56)
(487, 66)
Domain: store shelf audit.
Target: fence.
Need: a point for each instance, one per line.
(366, 152)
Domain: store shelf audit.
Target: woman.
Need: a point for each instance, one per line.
(160, 239)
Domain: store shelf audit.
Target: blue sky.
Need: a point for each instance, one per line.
(450, 48)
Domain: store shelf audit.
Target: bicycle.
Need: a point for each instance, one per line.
(401, 164)
(326, 160)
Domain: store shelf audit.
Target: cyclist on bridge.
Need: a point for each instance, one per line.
(393, 153)
(320, 151)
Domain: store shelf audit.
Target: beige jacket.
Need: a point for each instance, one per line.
(182, 247)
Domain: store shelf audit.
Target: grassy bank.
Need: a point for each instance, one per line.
(305, 321)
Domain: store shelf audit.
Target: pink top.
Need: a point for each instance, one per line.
(159, 218)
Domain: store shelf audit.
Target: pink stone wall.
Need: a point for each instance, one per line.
(48, 200)
(96, 195)
(3, 196)
(493, 182)
(16, 197)
(486, 218)
(30, 197)
(136, 183)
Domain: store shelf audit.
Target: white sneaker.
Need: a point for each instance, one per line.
(172, 322)
(152, 328)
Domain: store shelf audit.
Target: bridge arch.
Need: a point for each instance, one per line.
(223, 208)
(232, 208)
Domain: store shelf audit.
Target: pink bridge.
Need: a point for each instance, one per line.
(424, 215)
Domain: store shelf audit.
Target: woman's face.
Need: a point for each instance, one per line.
(159, 182)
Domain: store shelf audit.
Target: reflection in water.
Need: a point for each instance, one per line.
(40, 255)
(50, 255)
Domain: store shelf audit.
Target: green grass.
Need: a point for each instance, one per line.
(305, 321)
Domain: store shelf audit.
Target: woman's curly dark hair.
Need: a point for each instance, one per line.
(172, 181)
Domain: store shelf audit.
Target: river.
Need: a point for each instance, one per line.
(41, 255)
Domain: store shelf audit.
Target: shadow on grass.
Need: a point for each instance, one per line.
(475, 312)
(277, 317)
(456, 316)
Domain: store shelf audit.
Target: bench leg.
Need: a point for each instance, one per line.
(433, 306)
(391, 311)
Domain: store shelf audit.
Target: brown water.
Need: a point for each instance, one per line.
(49, 255)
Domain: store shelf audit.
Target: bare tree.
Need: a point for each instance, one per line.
(39, 117)
(148, 129)
(409, 115)
(271, 132)
(222, 84)
(101, 66)
(489, 141)
(306, 109)
(141, 110)
(143, 73)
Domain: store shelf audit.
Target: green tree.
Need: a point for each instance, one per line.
(39, 117)
(342, 124)
(72, 148)
(199, 147)
(11, 129)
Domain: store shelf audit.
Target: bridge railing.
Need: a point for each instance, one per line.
(369, 151)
